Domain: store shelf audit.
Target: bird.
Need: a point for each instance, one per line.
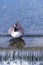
(16, 30)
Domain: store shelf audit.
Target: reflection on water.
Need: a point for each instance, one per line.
(16, 43)
(23, 42)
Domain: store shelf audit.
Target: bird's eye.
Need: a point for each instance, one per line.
(16, 24)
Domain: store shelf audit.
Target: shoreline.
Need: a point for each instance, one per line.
(35, 48)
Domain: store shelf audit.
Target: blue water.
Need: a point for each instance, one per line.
(30, 15)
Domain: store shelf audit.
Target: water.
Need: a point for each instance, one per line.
(21, 57)
(30, 15)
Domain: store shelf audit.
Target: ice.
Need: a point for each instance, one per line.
(21, 57)
(18, 63)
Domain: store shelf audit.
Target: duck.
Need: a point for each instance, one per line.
(16, 30)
